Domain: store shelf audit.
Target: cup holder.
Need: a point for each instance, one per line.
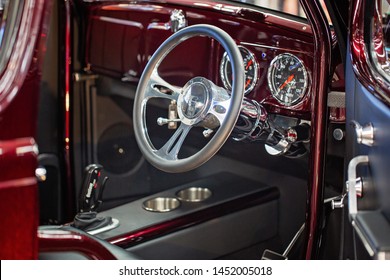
(194, 194)
(161, 204)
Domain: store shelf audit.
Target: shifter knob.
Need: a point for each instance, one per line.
(88, 189)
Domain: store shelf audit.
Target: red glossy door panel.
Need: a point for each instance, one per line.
(19, 91)
(19, 201)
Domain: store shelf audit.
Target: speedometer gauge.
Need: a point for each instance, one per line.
(250, 67)
(287, 79)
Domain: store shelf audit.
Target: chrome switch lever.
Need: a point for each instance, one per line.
(162, 121)
(364, 134)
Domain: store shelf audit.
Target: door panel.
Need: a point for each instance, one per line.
(18, 192)
(368, 109)
(368, 92)
(20, 68)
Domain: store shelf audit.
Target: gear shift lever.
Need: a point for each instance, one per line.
(90, 199)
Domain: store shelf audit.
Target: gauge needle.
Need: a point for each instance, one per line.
(289, 79)
(249, 64)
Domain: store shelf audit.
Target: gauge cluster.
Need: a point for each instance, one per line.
(287, 79)
(250, 66)
(283, 76)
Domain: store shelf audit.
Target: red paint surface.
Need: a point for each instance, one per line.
(361, 63)
(19, 203)
(66, 100)
(121, 38)
(19, 219)
(70, 241)
(19, 84)
(322, 53)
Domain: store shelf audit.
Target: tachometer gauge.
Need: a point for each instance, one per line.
(287, 79)
(250, 66)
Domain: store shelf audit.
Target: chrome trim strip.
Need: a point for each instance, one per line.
(119, 21)
(275, 48)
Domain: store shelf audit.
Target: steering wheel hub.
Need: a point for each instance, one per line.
(193, 104)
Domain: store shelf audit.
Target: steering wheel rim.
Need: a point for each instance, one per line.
(162, 159)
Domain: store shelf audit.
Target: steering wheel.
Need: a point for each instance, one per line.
(198, 100)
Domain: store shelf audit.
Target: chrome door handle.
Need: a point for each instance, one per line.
(354, 182)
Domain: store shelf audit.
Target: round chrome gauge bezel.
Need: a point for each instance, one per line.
(271, 82)
(223, 70)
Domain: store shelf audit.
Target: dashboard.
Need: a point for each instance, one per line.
(277, 49)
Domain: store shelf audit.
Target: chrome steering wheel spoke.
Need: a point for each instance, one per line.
(171, 149)
(155, 86)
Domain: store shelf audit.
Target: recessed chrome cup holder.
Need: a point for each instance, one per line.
(161, 204)
(194, 194)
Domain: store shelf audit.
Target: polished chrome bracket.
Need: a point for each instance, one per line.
(207, 132)
(279, 149)
(364, 134)
(337, 202)
(172, 114)
(172, 119)
(358, 186)
(178, 20)
(84, 77)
